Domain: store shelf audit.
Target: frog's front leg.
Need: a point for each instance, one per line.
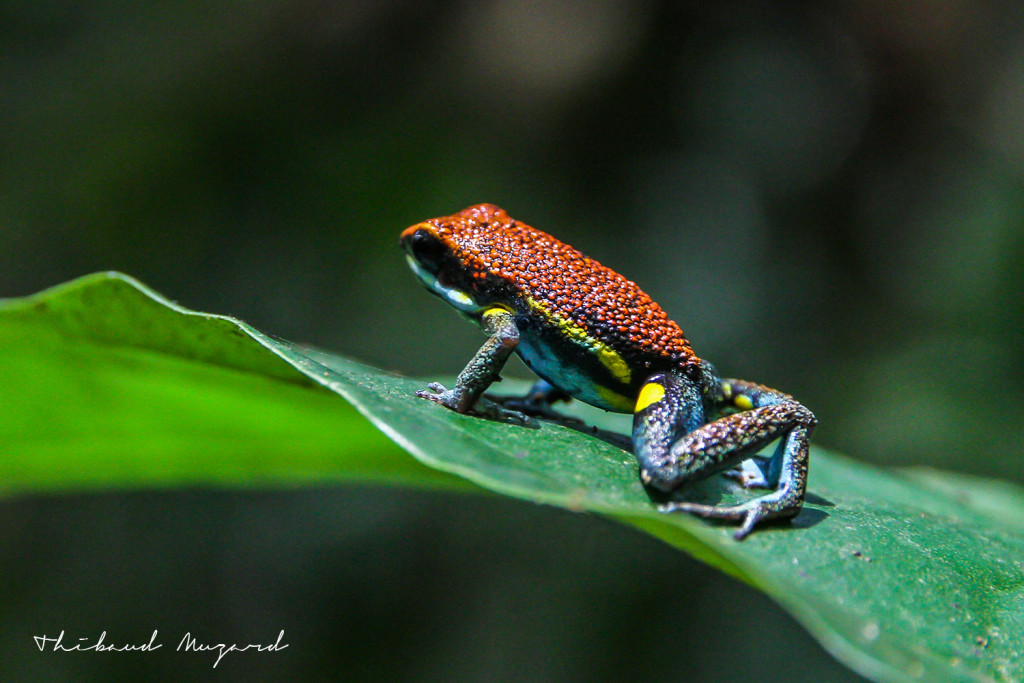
(675, 446)
(482, 370)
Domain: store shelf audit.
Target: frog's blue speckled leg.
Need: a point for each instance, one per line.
(539, 401)
(483, 370)
(674, 445)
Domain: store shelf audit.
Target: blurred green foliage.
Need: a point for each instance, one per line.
(827, 198)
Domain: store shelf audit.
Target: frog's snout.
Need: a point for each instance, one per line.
(423, 246)
(409, 232)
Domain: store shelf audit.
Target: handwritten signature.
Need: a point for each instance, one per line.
(188, 643)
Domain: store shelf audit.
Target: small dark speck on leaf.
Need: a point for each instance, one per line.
(519, 455)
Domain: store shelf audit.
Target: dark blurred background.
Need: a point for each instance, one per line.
(826, 196)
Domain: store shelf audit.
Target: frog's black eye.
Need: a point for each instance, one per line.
(427, 249)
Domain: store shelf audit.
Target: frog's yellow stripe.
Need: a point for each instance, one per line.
(614, 399)
(727, 390)
(607, 355)
(743, 402)
(613, 361)
(651, 393)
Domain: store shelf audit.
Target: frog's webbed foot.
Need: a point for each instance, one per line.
(437, 393)
(484, 407)
(750, 514)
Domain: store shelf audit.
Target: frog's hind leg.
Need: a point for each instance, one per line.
(675, 447)
(784, 501)
(538, 402)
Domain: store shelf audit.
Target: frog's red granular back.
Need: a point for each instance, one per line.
(563, 281)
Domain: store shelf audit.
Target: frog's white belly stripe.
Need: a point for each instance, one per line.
(456, 297)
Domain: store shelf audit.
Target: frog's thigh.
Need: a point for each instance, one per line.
(668, 407)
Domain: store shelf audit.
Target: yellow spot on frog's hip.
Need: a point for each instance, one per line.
(495, 310)
(743, 402)
(651, 393)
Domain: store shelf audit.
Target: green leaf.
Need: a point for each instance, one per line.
(903, 575)
(108, 385)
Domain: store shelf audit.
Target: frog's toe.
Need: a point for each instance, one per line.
(735, 513)
(702, 510)
(497, 411)
(437, 393)
(525, 405)
(432, 391)
(514, 416)
(750, 514)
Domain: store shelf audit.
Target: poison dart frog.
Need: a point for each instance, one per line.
(591, 334)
